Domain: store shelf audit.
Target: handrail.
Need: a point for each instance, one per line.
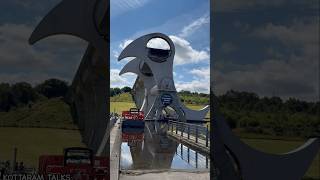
(197, 131)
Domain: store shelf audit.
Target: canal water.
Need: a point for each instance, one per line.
(151, 149)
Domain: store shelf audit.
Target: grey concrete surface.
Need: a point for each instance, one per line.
(165, 175)
(115, 144)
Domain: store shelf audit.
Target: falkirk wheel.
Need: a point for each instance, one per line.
(154, 91)
(233, 159)
(88, 20)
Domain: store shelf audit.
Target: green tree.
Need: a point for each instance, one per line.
(6, 98)
(53, 88)
(125, 89)
(23, 93)
(117, 91)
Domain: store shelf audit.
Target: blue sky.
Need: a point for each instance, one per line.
(59, 56)
(270, 47)
(186, 22)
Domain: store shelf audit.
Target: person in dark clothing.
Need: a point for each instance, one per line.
(21, 167)
(16, 166)
(2, 171)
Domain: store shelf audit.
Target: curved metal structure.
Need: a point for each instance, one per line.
(80, 18)
(88, 20)
(253, 164)
(154, 89)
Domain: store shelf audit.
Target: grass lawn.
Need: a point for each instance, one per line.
(52, 113)
(118, 107)
(33, 142)
(282, 146)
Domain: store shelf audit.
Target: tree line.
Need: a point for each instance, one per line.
(242, 110)
(23, 93)
(187, 97)
(270, 115)
(249, 113)
(116, 91)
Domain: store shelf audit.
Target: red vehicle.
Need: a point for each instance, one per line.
(132, 138)
(77, 163)
(127, 137)
(133, 118)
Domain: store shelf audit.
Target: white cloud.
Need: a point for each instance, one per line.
(304, 34)
(30, 77)
(231, 5)
(121, 6)
(116, 80)
(125, 43)
(202, 73)
(185, 53)
(200, 82)
(115, 53)
(16, 52)
(158, 43)
(195, 25)
(194, 86)
(284, 75)
(54, 56)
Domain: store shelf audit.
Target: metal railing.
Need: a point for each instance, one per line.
(197, 133)
(193, 157)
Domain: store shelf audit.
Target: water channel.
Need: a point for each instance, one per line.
(149, 148)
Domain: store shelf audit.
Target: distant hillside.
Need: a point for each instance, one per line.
(123, 97)
(46, 113)
(197, 99)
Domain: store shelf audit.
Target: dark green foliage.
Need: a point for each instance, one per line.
(270, 115)
(185, 96)
(115, 91)
(53, 88)
(126, 89)
(15, 95)
(194, 98)
(6, 97)
(22, 93)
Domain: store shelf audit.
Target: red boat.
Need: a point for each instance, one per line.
(134, 118)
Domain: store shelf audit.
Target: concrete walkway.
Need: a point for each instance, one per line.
(165, 175)
(115, 144)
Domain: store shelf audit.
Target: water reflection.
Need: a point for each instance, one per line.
(150, 149)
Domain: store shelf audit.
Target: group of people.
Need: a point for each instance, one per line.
(19, 167)
(5, 168)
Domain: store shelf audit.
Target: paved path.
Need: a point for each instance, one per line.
(165, 175)
(115, 144)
